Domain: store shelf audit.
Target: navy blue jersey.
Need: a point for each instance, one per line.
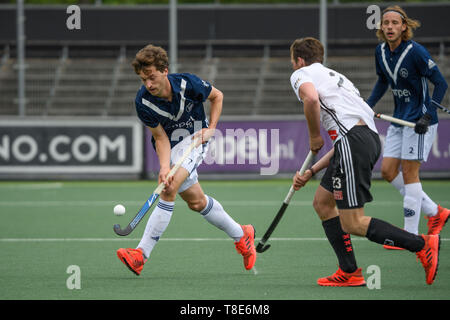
(406, 70)
(183, 115)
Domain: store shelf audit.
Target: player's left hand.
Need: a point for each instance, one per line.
(162, 177)
(422, 124)
(299, 181)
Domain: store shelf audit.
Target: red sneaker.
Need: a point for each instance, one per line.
(438, 221)
(246, 246)
(429, 256)
(343, 279)
(133, 259)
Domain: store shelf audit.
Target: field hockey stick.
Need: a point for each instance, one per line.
(394, 120)
(261, 247)
(441, 107)
(148, 204)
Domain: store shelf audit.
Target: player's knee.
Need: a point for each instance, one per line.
(388, 174)
(197, 205)
(410, 175)
(317, 205)
(168, 195)
(353, 225)
(323, 209)
(347, 227)
(350, 227)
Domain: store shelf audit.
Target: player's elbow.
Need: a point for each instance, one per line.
(309, 94)
(216, 96)
(444, 85)
(311, 105)
(219, 94)
(311, 100)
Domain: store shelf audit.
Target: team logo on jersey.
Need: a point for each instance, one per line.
(205, 84)
(189, 106)
(403, 73)
(431, 64)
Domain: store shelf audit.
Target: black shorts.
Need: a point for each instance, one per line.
(349, 173)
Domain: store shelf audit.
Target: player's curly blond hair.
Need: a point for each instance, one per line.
(150, 56)
(411, 24)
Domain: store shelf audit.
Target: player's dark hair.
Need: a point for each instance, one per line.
(411, 24)
(309, 49)
(150, 56)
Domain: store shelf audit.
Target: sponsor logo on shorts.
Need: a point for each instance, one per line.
(338, 195)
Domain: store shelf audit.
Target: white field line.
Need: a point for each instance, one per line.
(102, 203)
(33, 186)
(228, 203)
(162, 239)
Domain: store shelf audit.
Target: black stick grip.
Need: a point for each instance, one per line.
(273, 225)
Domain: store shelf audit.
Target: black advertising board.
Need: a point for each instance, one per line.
(70, 146)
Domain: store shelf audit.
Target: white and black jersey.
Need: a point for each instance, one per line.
(357, 147)
(341, 105)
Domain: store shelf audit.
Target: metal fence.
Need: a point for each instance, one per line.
(99, 81)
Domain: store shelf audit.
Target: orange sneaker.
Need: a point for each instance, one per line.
(388, 247)
(343, 279)
(429, 256)
(132, 258)
(246, 246)
(438, 221)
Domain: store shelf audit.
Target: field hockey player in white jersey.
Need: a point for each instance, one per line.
(330, 99)
(171, 106)
(406, 67)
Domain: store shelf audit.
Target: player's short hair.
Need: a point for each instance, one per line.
(411, 24)
(309, 49)
(149, 56)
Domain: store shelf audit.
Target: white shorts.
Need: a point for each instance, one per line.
(191, 163)
(403, 143)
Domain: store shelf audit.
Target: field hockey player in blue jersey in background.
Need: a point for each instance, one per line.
(406, 66)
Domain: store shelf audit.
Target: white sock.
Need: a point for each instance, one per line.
(216, 215)
(428, 207)
(411, 205)
(156, 225)
(399, 184)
